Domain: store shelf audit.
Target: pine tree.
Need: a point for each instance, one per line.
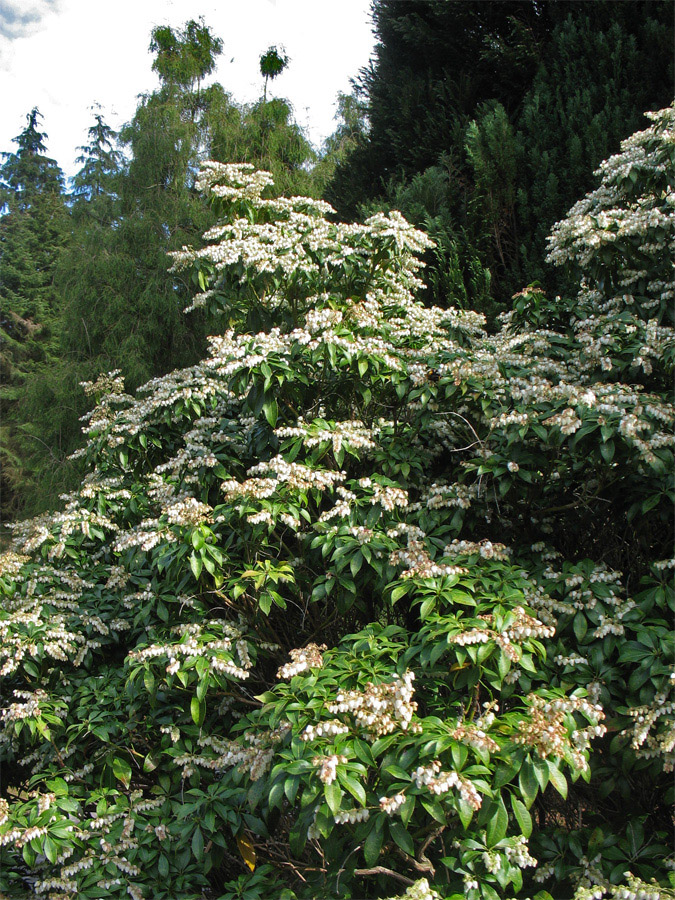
(606, 63)
(52, 399)
(517, 101)
(94, 187)
(33, 233)
(434, 64)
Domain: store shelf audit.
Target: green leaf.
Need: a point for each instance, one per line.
(163, 866)
(51, 849)
(557, 779)
(522, 815)
(427, 607)
(580, 626)
(399, 592)
(435, 810)
(527, 781)
(372, 845)
(541, 772)
(149, 681)
(122, 771)
(196, 565)
(396, 772)
(402, 838)
(354, 787)
(333, 794)
(271, 410)
(407, 809)
(197, 710)
(276, 794)
(362, 751)
(497, 825)
(356, 563)
(198, 844)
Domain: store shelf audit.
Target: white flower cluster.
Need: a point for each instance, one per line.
(391, 805)
(295, 475)
(380, 708)
(253, 753)
(440, 496)
(419, 564)
(420, 890)
(329, 728)
(653, 731)
(567, 421)
(351, 816)
(327, 766)
(549, 732)
(485, 549)
(475, 736)
(188, 511)
(197, 640)
(309, 657)
(634, 888)
(518, 853)
(353, 433)
(439, 782)
(526, 626)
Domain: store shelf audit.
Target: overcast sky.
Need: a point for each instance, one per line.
(63, 56)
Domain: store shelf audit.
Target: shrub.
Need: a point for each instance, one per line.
(338, 610)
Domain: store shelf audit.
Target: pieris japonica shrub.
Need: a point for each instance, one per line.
(369, 603)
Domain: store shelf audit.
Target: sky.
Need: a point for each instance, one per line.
(65, 56)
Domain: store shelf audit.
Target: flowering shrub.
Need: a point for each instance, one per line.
(339, 612)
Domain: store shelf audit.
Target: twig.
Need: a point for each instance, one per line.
(415, 864)
(382, 870)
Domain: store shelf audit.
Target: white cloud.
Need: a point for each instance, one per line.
(81, 52)
(21, 18)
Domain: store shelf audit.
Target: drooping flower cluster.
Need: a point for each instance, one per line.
(380, 708)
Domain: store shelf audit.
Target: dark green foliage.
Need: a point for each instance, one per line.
(266, 135)
(187, 56)
(435, 62)
(606, 63)
(272, 64)
(94, 187)
(518, 101)
(116, 305)
(33, 232)
(455, 273)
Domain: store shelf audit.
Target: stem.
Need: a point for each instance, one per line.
(382, 870)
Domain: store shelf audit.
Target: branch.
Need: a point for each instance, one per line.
(422, 863)
(382, 870)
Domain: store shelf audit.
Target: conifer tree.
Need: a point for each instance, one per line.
(94, 185)
(33, 232)
(52, 399)
(571, 80)
(606, 64)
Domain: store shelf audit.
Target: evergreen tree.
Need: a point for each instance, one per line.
(33, 232)
(517, 102)
(52, 399)
(94, 187)
(606, 63)
(434, 63)
(121, 309)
